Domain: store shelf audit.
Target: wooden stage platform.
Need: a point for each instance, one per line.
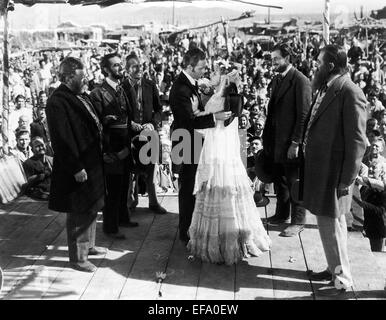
(33, 256)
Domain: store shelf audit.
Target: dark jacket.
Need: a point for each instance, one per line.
(151, 104)
(76, 143)
(287, 112)
(107, 101)
(38, 129)
(374, 207)
(180, 94)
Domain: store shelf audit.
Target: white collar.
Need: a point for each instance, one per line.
(112, 84)
(192, 81)
(286, 71)
(329, 83)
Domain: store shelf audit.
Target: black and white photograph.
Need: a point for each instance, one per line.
(192, 156)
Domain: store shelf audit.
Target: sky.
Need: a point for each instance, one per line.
(40, 16)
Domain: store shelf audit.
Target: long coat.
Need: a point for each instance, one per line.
(287, 112)
(334, 148)
(76, 144)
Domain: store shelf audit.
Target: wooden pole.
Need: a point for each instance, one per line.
(269, 16)
(225, 25)
(326, 22)
(5, 111)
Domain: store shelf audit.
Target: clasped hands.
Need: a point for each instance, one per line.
(221, 115)
(114, 156)
(139, 127)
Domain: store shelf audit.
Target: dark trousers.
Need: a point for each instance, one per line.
(150, 186)
(81, 228)
(186, 199)
(376, 244)
(285, 177)
(115, 210)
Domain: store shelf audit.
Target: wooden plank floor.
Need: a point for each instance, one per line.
(33, 256)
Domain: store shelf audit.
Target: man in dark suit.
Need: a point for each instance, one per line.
(184, 96)
(144, 98)
(77, 183)
(39, 128)
(334, 145)
(115, 113)
(283, 131)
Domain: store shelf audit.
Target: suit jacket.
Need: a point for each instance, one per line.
(151, 104)
(287, 112)
(38, 130)
(180, 94)
(76, 143)
(107, 102)
(334, 149)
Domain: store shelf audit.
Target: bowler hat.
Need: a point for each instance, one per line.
(263, 167)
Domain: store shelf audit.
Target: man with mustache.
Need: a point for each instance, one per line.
(144, 98)
(334, 144)
(287, 111)
(115, 113)
(77, 184)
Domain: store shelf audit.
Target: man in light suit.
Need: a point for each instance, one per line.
(334, 144)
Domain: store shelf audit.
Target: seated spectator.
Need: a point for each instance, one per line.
(255, 145)
(22, 151)
(373, 201)
(38, 170)
(243, 122)
(257, 125)
(39, 128)
(374, 107)
(20, 110)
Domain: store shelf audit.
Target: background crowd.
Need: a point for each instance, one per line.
(34, 76)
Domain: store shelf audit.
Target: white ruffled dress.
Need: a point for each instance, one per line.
(226, 224)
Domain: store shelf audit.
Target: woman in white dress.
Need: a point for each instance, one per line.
(226, 224)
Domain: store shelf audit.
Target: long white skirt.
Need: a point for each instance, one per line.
(226, 224)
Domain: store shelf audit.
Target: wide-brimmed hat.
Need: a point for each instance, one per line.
(263, 167)
(260, 199)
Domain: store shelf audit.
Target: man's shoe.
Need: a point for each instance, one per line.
(116, 236)
(330, 291)
(95, 251)
(129, 224)
(86, 266)
(319, 276)
(274, 220)
(157, 209)
(134, 205)
(292, 230)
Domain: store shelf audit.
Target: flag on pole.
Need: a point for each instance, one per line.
(326, 22)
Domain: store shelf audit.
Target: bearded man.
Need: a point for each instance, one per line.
(334, 144)
(116, 114)
(287, 111)
(77, 184)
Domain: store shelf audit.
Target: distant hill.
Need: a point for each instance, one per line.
(118, 15)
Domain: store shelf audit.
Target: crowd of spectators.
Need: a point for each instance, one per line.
(33, 77)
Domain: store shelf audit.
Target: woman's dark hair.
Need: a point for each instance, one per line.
(337, 55)
(192, 57)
